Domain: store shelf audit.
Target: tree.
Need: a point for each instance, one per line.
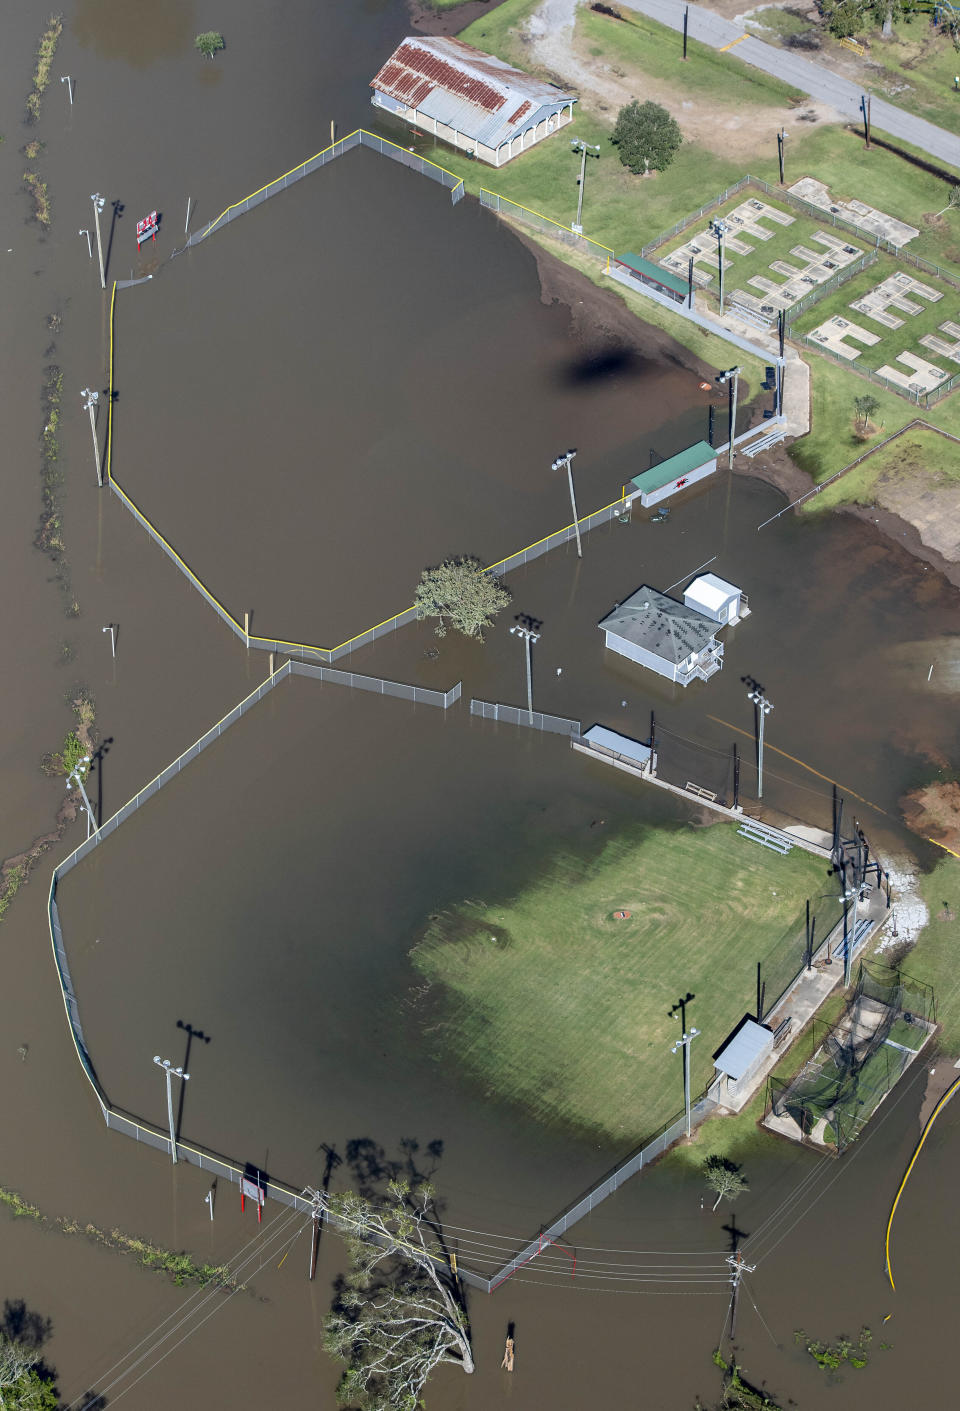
(209, 43)
(399, 1311)
(647, 136)
(462, 591)
(724, 1177)
(26, 1383)
(865, 407)
(952, 202)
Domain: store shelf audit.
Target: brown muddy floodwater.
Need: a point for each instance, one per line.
(357, 379)
(328, 824)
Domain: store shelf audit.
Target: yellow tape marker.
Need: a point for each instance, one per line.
(733, 43)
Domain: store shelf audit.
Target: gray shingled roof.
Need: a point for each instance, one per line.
(659, 624)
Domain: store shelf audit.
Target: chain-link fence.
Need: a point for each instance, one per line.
(795, 948)
(842, 276)
(534, 719)
(695, 767)
(505, 207)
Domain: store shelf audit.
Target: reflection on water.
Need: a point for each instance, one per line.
(137, 31)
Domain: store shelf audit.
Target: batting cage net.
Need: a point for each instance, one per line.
(855, 1062)
(699, 768)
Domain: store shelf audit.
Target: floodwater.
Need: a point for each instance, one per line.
(356, 380)
(151, 125)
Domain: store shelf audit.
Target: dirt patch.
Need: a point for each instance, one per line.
(424, 19)
(934, 812)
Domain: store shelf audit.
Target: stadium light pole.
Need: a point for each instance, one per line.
(172, 1072)
(719, 228)
(732, 373)
(685, 1043)
(763, 709)
(527, 631)
(558, 464)
(98, 205)
(90, 405)
(584, 148)
(76, 777)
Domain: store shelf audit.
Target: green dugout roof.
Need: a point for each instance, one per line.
(648, 270)
(684, 463)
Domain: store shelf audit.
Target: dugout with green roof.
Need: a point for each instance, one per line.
(675, 473)
(654, 274)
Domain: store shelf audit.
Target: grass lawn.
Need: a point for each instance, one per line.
(549, 1003)
(934, 958)
(892, 340)
(915, 70)
(917, 454)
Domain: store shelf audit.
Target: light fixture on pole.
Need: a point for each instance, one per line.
(111, 627)
(585, 149)
(172, 1072)
(763, 708)
(685, 1043)
(528, 632)
(719, 228)
(76, 777)
(65, 78)
(90, 405)
(558, 464)
(731, 375)
(98, 205)
(89, 246)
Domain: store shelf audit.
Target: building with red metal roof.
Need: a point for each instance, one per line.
(468, 98)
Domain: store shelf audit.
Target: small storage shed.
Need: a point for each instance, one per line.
(676, 473)
(665, 636)
(739, 1061)
(715, 598)
(643, 271)
(468, 98)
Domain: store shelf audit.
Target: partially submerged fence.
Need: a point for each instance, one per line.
(534, 719)
(505, 207)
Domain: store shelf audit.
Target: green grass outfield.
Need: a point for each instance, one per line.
(549, 1003)
(892, 340)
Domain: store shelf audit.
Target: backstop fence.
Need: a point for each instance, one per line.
(534, 719)
(794, 950)
(684, 763)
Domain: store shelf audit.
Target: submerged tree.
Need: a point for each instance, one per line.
(724, 1177)
(26, 1383)
(209, 43)
(399, 1311)
(647, 137)
(462, 591)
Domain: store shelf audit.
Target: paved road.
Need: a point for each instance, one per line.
(820, 83)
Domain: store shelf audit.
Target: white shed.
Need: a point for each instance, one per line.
(715, 598)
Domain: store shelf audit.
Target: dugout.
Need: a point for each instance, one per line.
(739, 1062)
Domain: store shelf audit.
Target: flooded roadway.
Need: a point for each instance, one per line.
(151, 125)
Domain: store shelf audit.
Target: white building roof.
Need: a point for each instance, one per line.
(748, 1044)
(711, 591)
(473, 92)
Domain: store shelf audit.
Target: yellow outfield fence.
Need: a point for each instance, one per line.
(505, 207)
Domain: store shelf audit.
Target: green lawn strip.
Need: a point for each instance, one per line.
(915, 453)
(774, 21)
(551, 1004)
(934, 958)
(916, 71)
(892, 340)
(641, 45)
(500, 31)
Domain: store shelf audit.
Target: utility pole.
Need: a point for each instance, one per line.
(77, 776)
(679, 1010)
(98, 205)
(738, 1267)
(111, 627)
(865, 109)
(577, 144)
(559, 463)
(762, 708)
(90, 405)
(719, 228)
(732, 375)
(317, 1199)
(529, 632)
(208, 1201)
(172, 1072)
(781, 143)
(686, 21)
(65, 78)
